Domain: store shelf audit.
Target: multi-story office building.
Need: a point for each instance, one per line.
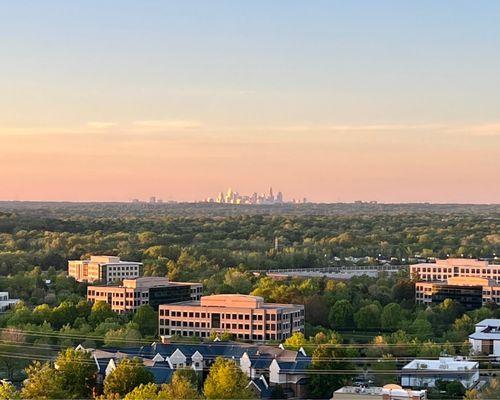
(134, 293)
(455, 267)
(471, 292)
(107, 269)
(246, 317)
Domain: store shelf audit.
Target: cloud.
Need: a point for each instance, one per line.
(356, 128)
(492, 129)
(167, 125)
(100, 124)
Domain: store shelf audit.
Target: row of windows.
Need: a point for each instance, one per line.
(122, 268)
(462, 270)
(494, 292)
(197, 324)
(130, 295)
(239, 317)
(244, 336)
(128, 303)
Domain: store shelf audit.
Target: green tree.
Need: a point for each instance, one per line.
(421, 328)
(452, 389)
(368, 317)
(226, 381)
(100, 312)
(146, 319)
(148, 391)
(239, 281)
(341, 315)
(127, 336)
(296, 341)
(462, 327)
(9, 392)
(43, 382)
(129, 373)
(78, 372)
(182, 386)
(328, 357)
(391, 316)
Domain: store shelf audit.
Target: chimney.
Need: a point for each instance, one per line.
(166, 339)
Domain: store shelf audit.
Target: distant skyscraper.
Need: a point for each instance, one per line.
(233, 197)
(152, 199)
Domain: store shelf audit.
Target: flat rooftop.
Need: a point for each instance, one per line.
(234, 301)
(106, 260)
(456, 262)
(443, 363)
(393, 390)
(487, 329)
(491, 322)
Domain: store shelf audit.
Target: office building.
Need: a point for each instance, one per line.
(134, 293)
(470, 292)
(387, 392)
(455, 267)
(424, 373)
(486, 338)
(106, 269)
(246, 317)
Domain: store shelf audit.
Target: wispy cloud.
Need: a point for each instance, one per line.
(492, 129)
(100, 124)
(356, 127)
(167, 125)
(199, 130)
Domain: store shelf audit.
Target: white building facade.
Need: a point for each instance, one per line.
(425, 373)
(107, 269)
(486, 338)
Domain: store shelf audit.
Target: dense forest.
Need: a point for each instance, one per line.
(368, 323)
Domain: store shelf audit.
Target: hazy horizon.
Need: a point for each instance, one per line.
(334, 101)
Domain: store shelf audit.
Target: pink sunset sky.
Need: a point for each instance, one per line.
(334, 102)
(187, 161)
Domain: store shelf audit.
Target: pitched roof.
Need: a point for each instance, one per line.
(161, 371)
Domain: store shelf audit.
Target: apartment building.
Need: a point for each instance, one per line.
(107, 269)
(134, 293)
(471, 292)
(266, 366)
(246, 317)
(455, 267)
(387, 392)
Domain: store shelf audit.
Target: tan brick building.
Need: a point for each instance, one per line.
(472, 292)
(107, 269)
(134, 293)
(455, 267)
(246, 317)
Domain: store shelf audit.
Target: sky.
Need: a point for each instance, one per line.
(391, 101)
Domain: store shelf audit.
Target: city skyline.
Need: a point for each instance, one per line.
(234, 197)
(337, 101)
